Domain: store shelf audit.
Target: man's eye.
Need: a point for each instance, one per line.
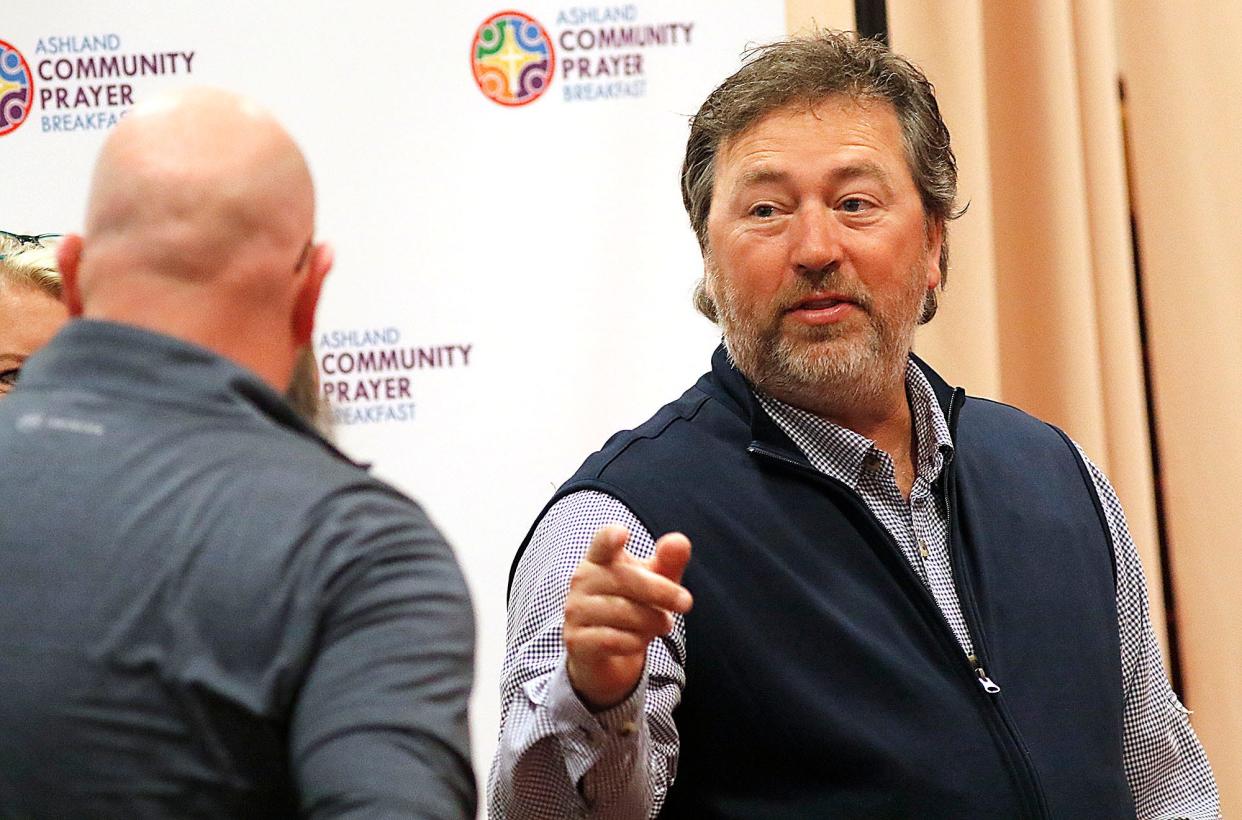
(763, 211)
(855, 205)
(8, 378)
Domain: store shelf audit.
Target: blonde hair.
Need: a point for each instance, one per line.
(30, 261)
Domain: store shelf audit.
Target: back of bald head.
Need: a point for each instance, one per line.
(191, 186)
(199, 226)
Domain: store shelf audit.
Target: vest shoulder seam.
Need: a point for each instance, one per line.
(635, 436)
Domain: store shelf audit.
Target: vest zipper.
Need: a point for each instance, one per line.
(973, 666)
(970, 611)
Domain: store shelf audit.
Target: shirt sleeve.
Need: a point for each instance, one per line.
(1165, 764)
(557, 759)
(380, 722)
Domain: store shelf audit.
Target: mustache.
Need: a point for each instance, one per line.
(833, 283)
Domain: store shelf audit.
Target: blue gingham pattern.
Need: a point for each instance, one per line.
(917, 525)
(557, 760)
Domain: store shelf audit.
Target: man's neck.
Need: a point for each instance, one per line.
(885, 419)
(270, 357)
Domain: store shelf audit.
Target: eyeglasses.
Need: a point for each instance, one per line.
(304, 255)
(32, 240)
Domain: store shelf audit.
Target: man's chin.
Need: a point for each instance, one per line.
(830, 360)
(830, 351)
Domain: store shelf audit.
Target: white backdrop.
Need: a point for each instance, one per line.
(538, 254)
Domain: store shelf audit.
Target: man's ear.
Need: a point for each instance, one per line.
(935, 240)
(307, 300)
(68, 260)
(705, 298)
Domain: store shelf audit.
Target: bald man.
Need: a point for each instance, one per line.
(204, 608)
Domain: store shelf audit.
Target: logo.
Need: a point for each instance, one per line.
(87, 82)
(367, 375)
(29, 422)
(16, 88)
(512, 58)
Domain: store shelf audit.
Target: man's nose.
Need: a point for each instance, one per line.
(817, 234)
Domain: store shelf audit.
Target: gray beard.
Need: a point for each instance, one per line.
(824, 370)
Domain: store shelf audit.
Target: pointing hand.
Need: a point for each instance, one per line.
(616, 605)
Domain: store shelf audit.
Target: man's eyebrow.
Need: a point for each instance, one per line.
(863, 169)
(761, 176)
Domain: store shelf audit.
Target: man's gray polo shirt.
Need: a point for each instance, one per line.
(205, 610)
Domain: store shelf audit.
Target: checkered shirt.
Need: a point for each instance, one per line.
(556, 759)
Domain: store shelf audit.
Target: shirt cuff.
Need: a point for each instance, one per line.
(584, 735)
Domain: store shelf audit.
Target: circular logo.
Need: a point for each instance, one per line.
(16, 88)
(512, 58)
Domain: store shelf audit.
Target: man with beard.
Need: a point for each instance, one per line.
(906, 602)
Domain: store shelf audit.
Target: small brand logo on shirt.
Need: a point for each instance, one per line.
(29, 422)
(32, 422)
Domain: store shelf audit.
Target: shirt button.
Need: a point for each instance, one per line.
(923, 551)
(871, 460)
(628, 728)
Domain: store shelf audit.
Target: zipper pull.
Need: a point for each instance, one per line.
(990, 686)
(987, 683)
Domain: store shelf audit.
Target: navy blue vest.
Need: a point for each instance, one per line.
(822, 679)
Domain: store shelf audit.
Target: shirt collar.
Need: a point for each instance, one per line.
(129, 362)
(842, 453)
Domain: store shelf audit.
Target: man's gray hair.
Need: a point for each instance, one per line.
(807, 70)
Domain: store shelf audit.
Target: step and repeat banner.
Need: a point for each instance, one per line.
(514, 267)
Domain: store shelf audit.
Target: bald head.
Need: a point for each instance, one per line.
(188, 184)
(198, 225)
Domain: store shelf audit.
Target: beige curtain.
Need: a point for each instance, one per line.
(1184, 100)
(1042, 308)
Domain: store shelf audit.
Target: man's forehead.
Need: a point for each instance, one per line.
(836, 109)
(865, 137)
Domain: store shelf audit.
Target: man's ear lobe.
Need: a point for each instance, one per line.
(68, 261)
(935, 240)
(322, 257)
(709, 280)
(307, 301)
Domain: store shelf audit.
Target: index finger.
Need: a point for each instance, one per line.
(646, 586)
(608, 543)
